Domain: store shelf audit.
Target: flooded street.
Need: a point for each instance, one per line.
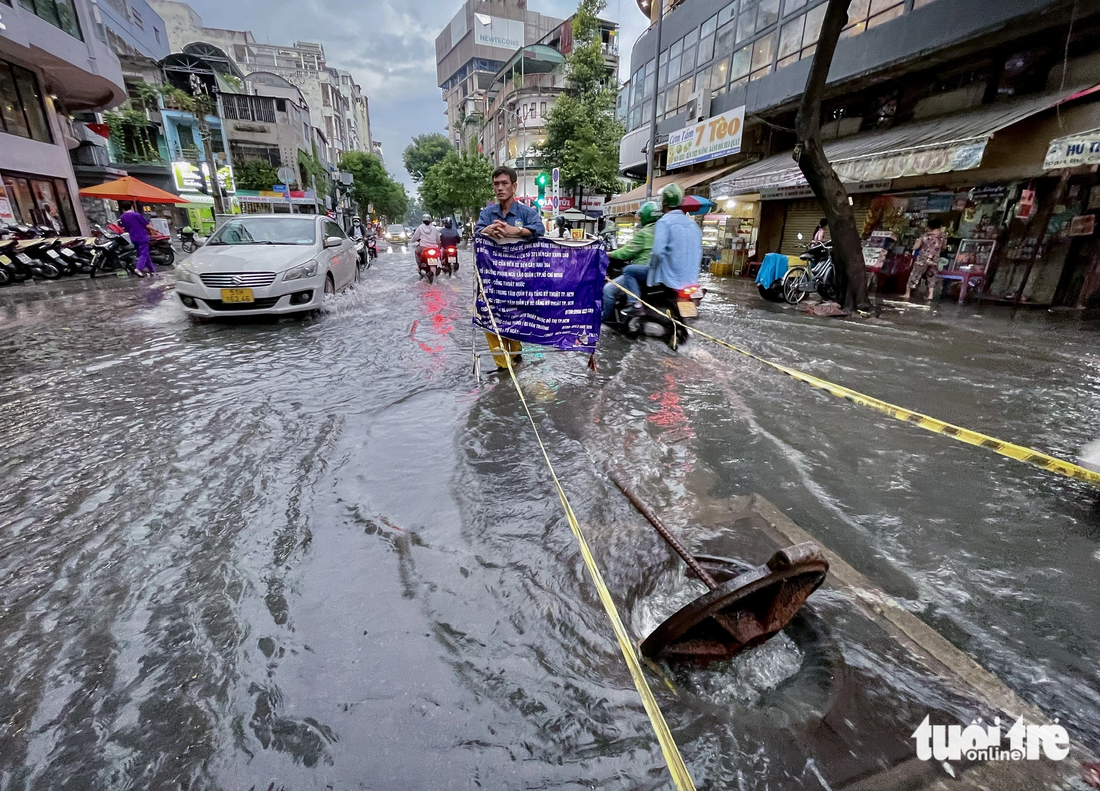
(314, 554)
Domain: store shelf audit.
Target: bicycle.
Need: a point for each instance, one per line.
(819, 275)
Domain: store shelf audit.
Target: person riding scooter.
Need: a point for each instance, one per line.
(426, 235)
(357, 231)
(449, 237)
(637, 250)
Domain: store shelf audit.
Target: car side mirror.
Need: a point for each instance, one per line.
(333, 241)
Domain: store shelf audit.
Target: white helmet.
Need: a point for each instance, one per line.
(427, 218)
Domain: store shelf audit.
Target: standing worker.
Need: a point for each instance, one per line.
(637, 250)
(136, 224)
(930, 245)
(507, 220)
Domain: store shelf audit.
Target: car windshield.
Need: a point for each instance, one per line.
(396, 229)
(266, 230)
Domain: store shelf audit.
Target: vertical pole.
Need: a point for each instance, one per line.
(523, 131)
(656, 93)
(316, 210)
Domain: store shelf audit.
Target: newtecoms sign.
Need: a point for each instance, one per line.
(715, 137)
(494, 31)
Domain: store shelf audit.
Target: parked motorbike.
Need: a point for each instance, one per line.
(11, 271)
(449, 259)
(117, 253)
(160, 246)
(428, 263)
(190, 241)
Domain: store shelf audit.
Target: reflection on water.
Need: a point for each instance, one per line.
(313, 553)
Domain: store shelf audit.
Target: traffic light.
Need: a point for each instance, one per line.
(541, 180)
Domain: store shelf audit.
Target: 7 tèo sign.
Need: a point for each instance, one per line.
(715, 137)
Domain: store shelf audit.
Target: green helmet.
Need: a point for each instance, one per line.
(672, 196)
(649, 212)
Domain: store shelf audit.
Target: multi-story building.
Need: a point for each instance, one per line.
(931, 110)
(331, 95)
(522, 93)
(52, 64)
(473, 48)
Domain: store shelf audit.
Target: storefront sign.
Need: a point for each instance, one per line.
(189, 178)
(940, 202)
(1069, 152)
(1082, 225)
(804, 191)
(495, 31)
(715, 137)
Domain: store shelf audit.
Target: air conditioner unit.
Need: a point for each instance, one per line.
(699, 105)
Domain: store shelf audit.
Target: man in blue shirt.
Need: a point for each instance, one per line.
(677, 245)
(507, 220)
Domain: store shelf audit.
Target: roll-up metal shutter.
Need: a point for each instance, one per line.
(804, 215)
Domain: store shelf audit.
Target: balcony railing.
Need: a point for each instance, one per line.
(59, 13)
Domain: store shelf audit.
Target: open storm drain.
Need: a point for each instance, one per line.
(742, 609)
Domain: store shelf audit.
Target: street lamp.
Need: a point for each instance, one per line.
(656, 92)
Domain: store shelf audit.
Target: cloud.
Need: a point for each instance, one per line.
(388, 46)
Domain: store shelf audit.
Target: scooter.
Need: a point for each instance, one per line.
(160, 246)
(190, 241)
(633, 320)
(428, 263)
(117, 254)
(450, 259)
(372, 249)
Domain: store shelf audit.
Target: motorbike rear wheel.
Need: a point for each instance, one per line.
(49, 270)
(793, 281)
(5, 276)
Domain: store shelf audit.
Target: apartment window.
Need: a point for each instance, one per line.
(22, 112)
(726, 14)
(746, 24)
(718, 76)
(59, 13)
(790, 40)
(790, 6)
(864, 14)
(767, 14)
(739, 67)
(706, 39)
(763, 53)
(542, 109)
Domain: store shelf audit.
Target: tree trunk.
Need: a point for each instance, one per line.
(851, 275)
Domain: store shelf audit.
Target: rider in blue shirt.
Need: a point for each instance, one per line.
(677, 244)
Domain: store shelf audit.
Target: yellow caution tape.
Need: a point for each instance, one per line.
(1018, 452)
(673, 759)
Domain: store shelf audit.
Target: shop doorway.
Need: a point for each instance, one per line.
(42, 201)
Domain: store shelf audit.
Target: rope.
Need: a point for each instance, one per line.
(673, 759)
(1018, 452)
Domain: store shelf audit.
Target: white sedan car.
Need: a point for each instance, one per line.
(260, 264)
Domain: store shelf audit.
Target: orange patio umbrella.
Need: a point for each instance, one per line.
(130, 188)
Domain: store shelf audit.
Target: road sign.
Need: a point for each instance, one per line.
(283, 188)
(287, 175)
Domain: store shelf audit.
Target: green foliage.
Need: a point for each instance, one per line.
(424, 152)
(373, 186)
(255, 174)
(582, 132)
(309, 166)
(132, 136)
(461, 184)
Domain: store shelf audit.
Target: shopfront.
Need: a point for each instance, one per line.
(37, 200)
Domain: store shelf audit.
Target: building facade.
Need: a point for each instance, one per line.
(337, 104)
(473, 48)
(932, 110)
(52, 64)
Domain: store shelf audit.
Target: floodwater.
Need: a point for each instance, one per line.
(317, 554)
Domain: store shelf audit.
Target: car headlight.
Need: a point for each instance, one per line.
(305, 270)
(184, 275)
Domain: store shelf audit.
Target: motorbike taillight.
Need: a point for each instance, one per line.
(689, 292)
(432, 254)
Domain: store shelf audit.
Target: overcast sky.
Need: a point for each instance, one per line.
(389, 45)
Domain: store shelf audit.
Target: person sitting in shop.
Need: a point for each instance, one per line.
(819, 233)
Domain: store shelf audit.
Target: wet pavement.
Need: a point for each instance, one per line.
(317, 554)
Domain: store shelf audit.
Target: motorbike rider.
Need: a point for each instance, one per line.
(357, 229)
(638, 250)
(449, 237)
(425, 235)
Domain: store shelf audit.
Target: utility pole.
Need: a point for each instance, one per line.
(202, 102)
(652, 153)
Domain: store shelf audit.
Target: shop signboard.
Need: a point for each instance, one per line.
(1082, 225)
(795, 191)
(715, 137)
(1074, 150)
(1026, 207)
(190, 178)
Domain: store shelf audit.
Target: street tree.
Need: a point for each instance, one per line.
(460, 184)
(425, 151)
(809, 152)
(255, 174)
(582, 133)
(372, 185)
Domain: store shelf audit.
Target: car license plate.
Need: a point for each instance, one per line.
(687, 309)
(237, 295)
